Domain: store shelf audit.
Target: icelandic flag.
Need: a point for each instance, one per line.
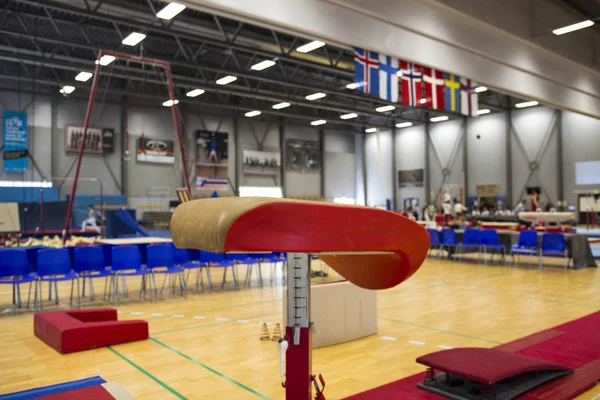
(434, 88)
(469, 100)
(366, 71)
(411, 83)
(388, 78)
(452, 92)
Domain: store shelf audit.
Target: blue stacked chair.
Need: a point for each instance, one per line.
(244, 259)
(491, 241)
(449, 240)
(528, 245)
(217, 260)
(471, 240)
(89, 263)
(193, 263)
(53, 266)
(14, 270)
(126, 262)
(553, 244)
(435, 241)
(161, 260)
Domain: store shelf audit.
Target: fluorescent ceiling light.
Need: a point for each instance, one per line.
(399, 73)
(480, 89)
(83, 76)
(169, 103)
(310, 46)
(195, 93)
(315, 96)
(226, 79)
(385, 108)
(253, 191)
(26, 184)
(133, 39)
(423, 101)
(371, 130)
(279, 106)
(263, 65)
(105, 60)
(483, 111)
(574, 27)
(351, 86)
(526, 104)
(439, 119)
(403, 124)
(67, 89)
(349, 116)
(251, 114)
(318, 122)
(170, 11)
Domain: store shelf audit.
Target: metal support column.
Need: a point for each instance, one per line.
(465, 162)
(427, 178)
(124, 138)
(394, 168)
(236, 155)
(282, 151)
(509, 183)
(559, 157)
(322, 155)
(53, 143)
(364, 165)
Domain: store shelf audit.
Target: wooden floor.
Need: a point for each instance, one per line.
(207, 346)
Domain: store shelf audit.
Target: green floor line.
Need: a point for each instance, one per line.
(212, 324)
(148, 374)
(439, 330)
(206, 367)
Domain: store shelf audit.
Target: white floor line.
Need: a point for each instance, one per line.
(221, 319)
(393, 339)
(416, 342)
(441, 346)
(136, 313)
(178, 315)
(157, 314)
(200, 317)
(243, 321)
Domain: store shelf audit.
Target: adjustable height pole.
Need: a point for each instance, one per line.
(297, 332)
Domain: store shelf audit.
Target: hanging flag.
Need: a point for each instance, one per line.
(388, 78)
(469, 100)
(15, 141)
(452, 92)
(434, 88)
(411, 81)
(366, 71)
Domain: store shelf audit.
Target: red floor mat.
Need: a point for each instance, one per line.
(575, 344)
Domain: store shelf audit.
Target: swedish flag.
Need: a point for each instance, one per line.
(452, 92)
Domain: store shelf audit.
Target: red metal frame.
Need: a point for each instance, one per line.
(88, 115)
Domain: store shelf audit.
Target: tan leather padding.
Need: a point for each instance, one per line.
(203, 224)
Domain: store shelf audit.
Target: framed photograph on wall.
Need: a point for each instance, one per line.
(261, 162)
(93, 139)
(410, 177)
(158, 151)
(302, 155)
(212, 159)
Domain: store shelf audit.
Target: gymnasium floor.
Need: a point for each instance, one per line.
(207, 347)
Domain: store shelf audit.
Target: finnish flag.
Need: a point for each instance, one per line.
(388, 78)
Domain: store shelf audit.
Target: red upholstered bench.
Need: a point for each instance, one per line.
(70, 331)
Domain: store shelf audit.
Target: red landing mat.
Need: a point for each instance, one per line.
(575, 344)
(107, 391)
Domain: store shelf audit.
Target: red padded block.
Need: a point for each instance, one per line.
(76, 330)
(90, 393)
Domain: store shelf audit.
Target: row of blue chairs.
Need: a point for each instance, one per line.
(487, 240)
(89, 262)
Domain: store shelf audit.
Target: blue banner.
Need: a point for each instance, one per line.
(15, 141)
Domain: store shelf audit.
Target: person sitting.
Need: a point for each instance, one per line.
(520, 207)
(409, 214)
(90, 220)
(485, 212)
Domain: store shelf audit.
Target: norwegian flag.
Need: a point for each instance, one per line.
(469, 100)
(434, 88)
(411, 83)
(366, 71)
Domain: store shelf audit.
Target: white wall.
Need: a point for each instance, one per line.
(340, 166)
(410, 154)
(361, 184)
(379, 168)
(446, 139)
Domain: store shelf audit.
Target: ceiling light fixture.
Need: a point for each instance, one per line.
(226, 80)
(315, 96)
(480, 89)
(279, 106)
(307, 48)
(398, 73)
(371, 130)
(483, 111)
(105, 60)
(318, 122)
(251, 114)
(83, 76)
(349, 116)
(573, 27)
(67, 89)
(170, 103)
(351, 86)
(403, 124)
(133, 39)
(170, 11)
(385, 108)
(439, 119)
(526, 104)
(423, 101)
(195, 93)
(262, 65)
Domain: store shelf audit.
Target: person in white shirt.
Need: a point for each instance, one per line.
(91, 220)
(520, 207)
(458, 208)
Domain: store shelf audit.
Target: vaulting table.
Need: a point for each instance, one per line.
(372, 248)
